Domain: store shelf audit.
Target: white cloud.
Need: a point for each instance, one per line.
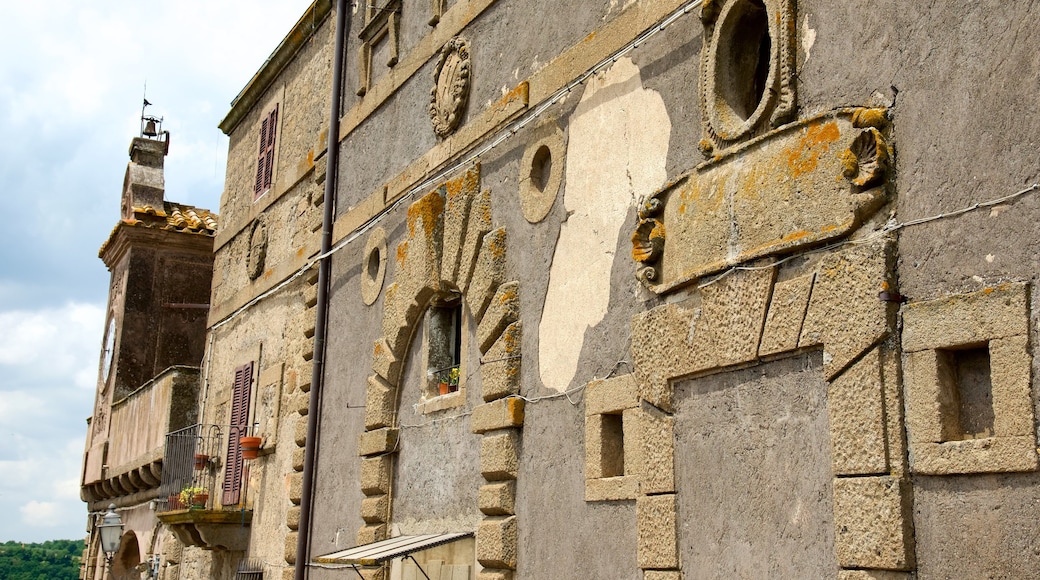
(69, 105)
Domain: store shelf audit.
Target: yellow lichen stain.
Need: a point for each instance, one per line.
(299, 253)
(805, 155)
(402, 252)
(377, 349)
(497, 249)
(427, 210)
(507, 297)
(885, 286)
(988, 290)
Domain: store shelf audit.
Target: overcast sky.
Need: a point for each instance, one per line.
(72, 76)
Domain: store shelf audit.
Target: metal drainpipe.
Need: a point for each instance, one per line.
(324, 266)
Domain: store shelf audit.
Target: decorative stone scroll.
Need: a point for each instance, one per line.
(811, 182)
(450, 87)
(747, 69)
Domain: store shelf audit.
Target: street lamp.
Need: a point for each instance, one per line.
(111, 529)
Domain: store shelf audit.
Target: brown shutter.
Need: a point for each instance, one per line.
(272, 130)
(239, 427)
(258, 187)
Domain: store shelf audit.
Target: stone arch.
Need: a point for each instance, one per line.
(128, 557)
(450, 244)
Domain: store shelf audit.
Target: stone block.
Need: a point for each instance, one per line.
(458, 195)
(972, 318)
(657, 545)
(988, 455)
(310, 296)
(872, 575)
(849, 282)
(384, 363)
(400, 314)
(924, 417)
(1010, 366)
(380, 403)
(292, 518)
(371, 534)
(734, 308)
(649, 449)
(378, 441)
(625, 487)
(786, 313)
(611, 395)
(488, 274)
(298, 458)
(478, 226)
(501, 414)
(499, 456)
(873, 526)
(497, 499)
(500, 366)
(497, 542)
(503, 311)
(604, 446)
(288, 573)
(662, 575)
(374, 509)
(295, 488)
(290, 547)
(669, 341)
(300, 433)
(298, 402)
(855, 403)
(489, 574)
(419, 256)
(375, 475)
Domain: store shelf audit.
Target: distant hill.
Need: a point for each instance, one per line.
(53, 560)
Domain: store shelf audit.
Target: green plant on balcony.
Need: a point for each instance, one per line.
(194, 497)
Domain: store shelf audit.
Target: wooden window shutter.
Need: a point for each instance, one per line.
(258, 188)
(233, 467)
(272, 130)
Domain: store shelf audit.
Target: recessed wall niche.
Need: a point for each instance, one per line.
(747, 69)
(967, 375)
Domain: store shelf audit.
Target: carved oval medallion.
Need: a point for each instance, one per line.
(257, 249)
(450, 86)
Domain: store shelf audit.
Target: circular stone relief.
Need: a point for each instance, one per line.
(450, 86)
(541, 172)
(373, 267)
(257, 249)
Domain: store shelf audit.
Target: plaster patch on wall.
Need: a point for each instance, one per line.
(617, 150)
(808, 38)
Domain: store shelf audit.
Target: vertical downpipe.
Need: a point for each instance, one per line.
(310, 451)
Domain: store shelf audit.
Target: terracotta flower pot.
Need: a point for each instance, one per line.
(443, 388)
(199, 500)
(173, 502)
(201, 461)
(250, 446)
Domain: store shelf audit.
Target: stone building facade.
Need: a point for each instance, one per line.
(160, 254)
(652, 289)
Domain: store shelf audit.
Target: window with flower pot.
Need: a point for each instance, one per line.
(444, 347)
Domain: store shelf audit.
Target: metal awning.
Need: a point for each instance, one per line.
(379, 552)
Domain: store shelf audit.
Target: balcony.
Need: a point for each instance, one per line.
(124, 462)
(201, 508)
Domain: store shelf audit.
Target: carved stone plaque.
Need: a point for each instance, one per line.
(801, 185)
(450, 87)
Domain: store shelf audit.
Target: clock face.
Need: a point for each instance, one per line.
(110, 344)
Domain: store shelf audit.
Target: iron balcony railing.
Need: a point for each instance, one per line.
(191, 463)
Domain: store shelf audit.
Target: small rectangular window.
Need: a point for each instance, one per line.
(444, 344)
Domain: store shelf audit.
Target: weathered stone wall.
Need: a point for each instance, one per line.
(801, 465)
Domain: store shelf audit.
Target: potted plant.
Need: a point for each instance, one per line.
(453, 379)
(173, 502)
(201, 461)
(194, 497)
(250, 446)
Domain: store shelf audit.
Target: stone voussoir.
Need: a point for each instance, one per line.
(379, 441)
(503, 311)
(500, 366)
(488, 274)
